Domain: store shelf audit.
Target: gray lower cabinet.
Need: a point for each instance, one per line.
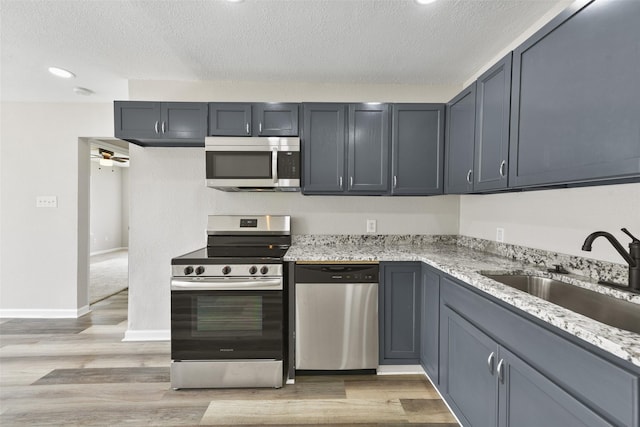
(576, 97)
(459, 142)
(324, 135)
(487, 385)
(468, 366)
(253, 119)
(430, 323)
(179, 124)
(493, 100)
(500, 368)
(417, 149)
(399, 314)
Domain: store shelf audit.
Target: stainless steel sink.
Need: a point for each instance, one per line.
(603, 308)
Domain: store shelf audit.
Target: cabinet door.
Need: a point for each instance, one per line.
(417, 149)
(184, 120)
(576, 97)
(400, 323)
(468, 362)
(528, 399)
(429, 323)
(323, 137)
(275, 119)
(229, 119)
(461, 125)
(368, 149)
(492, 127)
(134, 119)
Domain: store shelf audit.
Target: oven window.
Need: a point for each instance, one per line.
(228, 316)
(238, 164)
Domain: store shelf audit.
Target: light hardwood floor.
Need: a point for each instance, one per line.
(78, 372)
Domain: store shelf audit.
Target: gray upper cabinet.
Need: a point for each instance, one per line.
(161, 123)
(229, 119)
(417, 149)
(493, 100)
(368, 149)
(461, 124)
(257, 119)
(346, 149)
(576, 97)
(400, 295)
(324, 133)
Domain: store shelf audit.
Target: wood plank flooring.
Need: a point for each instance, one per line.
(78, 372)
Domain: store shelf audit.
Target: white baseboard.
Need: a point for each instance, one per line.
(30, 313)
(147, 335)
(106, 251)
(399, 370)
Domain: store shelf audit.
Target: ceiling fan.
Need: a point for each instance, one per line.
(107, 158)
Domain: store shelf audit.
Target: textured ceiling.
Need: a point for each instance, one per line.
(107, 42)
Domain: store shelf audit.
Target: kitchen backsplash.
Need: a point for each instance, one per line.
(595, 269)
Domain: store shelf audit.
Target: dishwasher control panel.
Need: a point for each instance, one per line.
(337, 273)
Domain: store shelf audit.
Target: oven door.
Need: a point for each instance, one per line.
(223, 319)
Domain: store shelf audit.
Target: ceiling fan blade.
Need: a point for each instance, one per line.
(120, 159)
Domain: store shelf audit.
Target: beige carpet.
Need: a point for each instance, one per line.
(108, 274)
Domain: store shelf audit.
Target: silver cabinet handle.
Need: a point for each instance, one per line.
(163, 126)
(248, 128)
(340, 180)
(490, 361)
(502, 165)
(156, 126)
(469, 176)
(395, 181)
(501, 371)
(350, 182)
(260, 127)
(274, 165)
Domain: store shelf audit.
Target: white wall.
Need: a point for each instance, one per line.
(124, 232)
(106, 207)
(556, 220)
(39, 247)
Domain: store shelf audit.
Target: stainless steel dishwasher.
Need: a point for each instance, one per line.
(336, 316)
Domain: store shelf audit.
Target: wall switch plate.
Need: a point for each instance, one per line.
(499, 234)
(371, 226)
(46, 202)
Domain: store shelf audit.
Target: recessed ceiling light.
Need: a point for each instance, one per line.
(424, 1)
(82, 91)
(61, 72)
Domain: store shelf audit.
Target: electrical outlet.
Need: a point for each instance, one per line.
(500, 234)
(371, 226)
(46, 202)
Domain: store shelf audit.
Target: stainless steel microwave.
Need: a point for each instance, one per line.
(253, 163)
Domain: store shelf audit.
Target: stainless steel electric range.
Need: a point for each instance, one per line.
(227, 305)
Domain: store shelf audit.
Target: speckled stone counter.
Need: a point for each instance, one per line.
(462, 259)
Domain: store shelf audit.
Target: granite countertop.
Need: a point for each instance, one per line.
(465, 264)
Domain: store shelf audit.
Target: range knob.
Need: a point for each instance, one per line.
(264, 270)
(253, 270)
(226, 269)
(199, 270)
(188, 270)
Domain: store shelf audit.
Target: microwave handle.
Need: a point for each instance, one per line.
(274, 165)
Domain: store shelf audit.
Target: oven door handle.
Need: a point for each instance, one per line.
(203, 284)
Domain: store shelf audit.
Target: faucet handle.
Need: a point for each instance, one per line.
(635, 239)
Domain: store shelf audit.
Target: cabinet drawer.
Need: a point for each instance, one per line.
(606, 388)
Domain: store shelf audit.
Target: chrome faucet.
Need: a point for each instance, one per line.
(632, 257)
